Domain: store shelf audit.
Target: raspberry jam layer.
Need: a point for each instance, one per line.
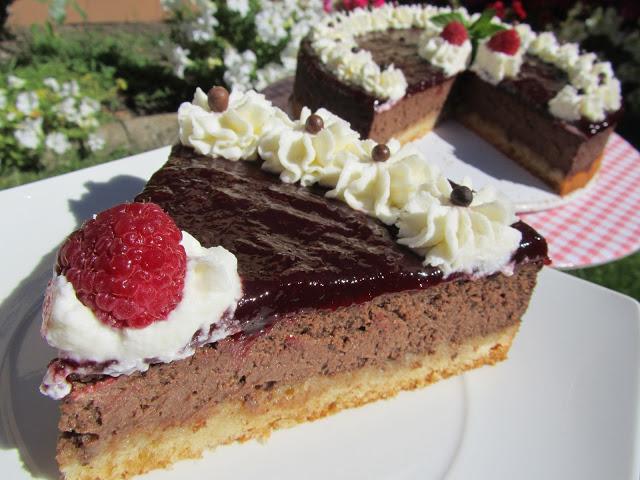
(296, 249)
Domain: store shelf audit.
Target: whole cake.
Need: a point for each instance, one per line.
(271, 273)
(390, 71)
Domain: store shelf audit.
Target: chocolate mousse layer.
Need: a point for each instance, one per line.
(377, 118)
(326, 290)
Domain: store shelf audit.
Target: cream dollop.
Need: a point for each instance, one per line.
(566, 104)
(477, 240)
(545, 46)
(212, 289)
(593, 104)
(299, 156)
(233, 134)
(382, 189)
(352, 65)
(493, 67)
(451, 58)
(593, 89)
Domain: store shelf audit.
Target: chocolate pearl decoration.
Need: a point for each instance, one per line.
(461, 196)
(314, 124)
(380, 153)
(218, 99)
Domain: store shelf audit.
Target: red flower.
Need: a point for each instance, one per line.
(327, 5)
(518, 9)
(360, 3)
(377, 3)
(347, 4)
(497, 7)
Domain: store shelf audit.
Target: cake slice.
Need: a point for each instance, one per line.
(407, 118)
(339, 298)
(547, 105)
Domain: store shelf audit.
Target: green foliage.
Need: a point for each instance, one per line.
(138, 57)
(45, 122)
(215, 43)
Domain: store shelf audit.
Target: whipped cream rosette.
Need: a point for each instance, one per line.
(476, 239)
(233, 133)
(298, 155)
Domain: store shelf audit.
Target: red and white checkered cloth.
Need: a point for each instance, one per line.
(603, 224)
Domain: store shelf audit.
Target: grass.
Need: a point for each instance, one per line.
(622, 275)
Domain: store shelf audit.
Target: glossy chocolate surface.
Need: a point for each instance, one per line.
(295, 248)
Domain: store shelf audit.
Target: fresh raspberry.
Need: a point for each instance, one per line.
(127, 265)
(518, 9)
(505, 41)
(498, 8)
(455, 33)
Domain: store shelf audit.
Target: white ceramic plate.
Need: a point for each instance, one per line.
(565, 405)
(460, 153)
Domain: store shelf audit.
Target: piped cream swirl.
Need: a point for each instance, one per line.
(476, 240)
(299, 156)
(233, 134)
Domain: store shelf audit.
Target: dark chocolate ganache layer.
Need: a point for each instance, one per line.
(296, 249)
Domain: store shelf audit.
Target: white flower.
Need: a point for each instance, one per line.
(67, 110)
(289, 56)
(29, 133)
(15, 82)
(239, 67)
(239, 6)
(27, 102)
(88, 107)
(52, 83)
(202, 29)
(180, 60)
(57, 142)
(270, 73)
(270, 24)
(70, 89)
(3, 99)
(95, 142)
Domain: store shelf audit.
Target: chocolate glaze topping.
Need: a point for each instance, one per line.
(296, 249)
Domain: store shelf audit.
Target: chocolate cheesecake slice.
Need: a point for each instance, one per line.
(406, 119)
(550, 107)
(334, 314)
(513, 116)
